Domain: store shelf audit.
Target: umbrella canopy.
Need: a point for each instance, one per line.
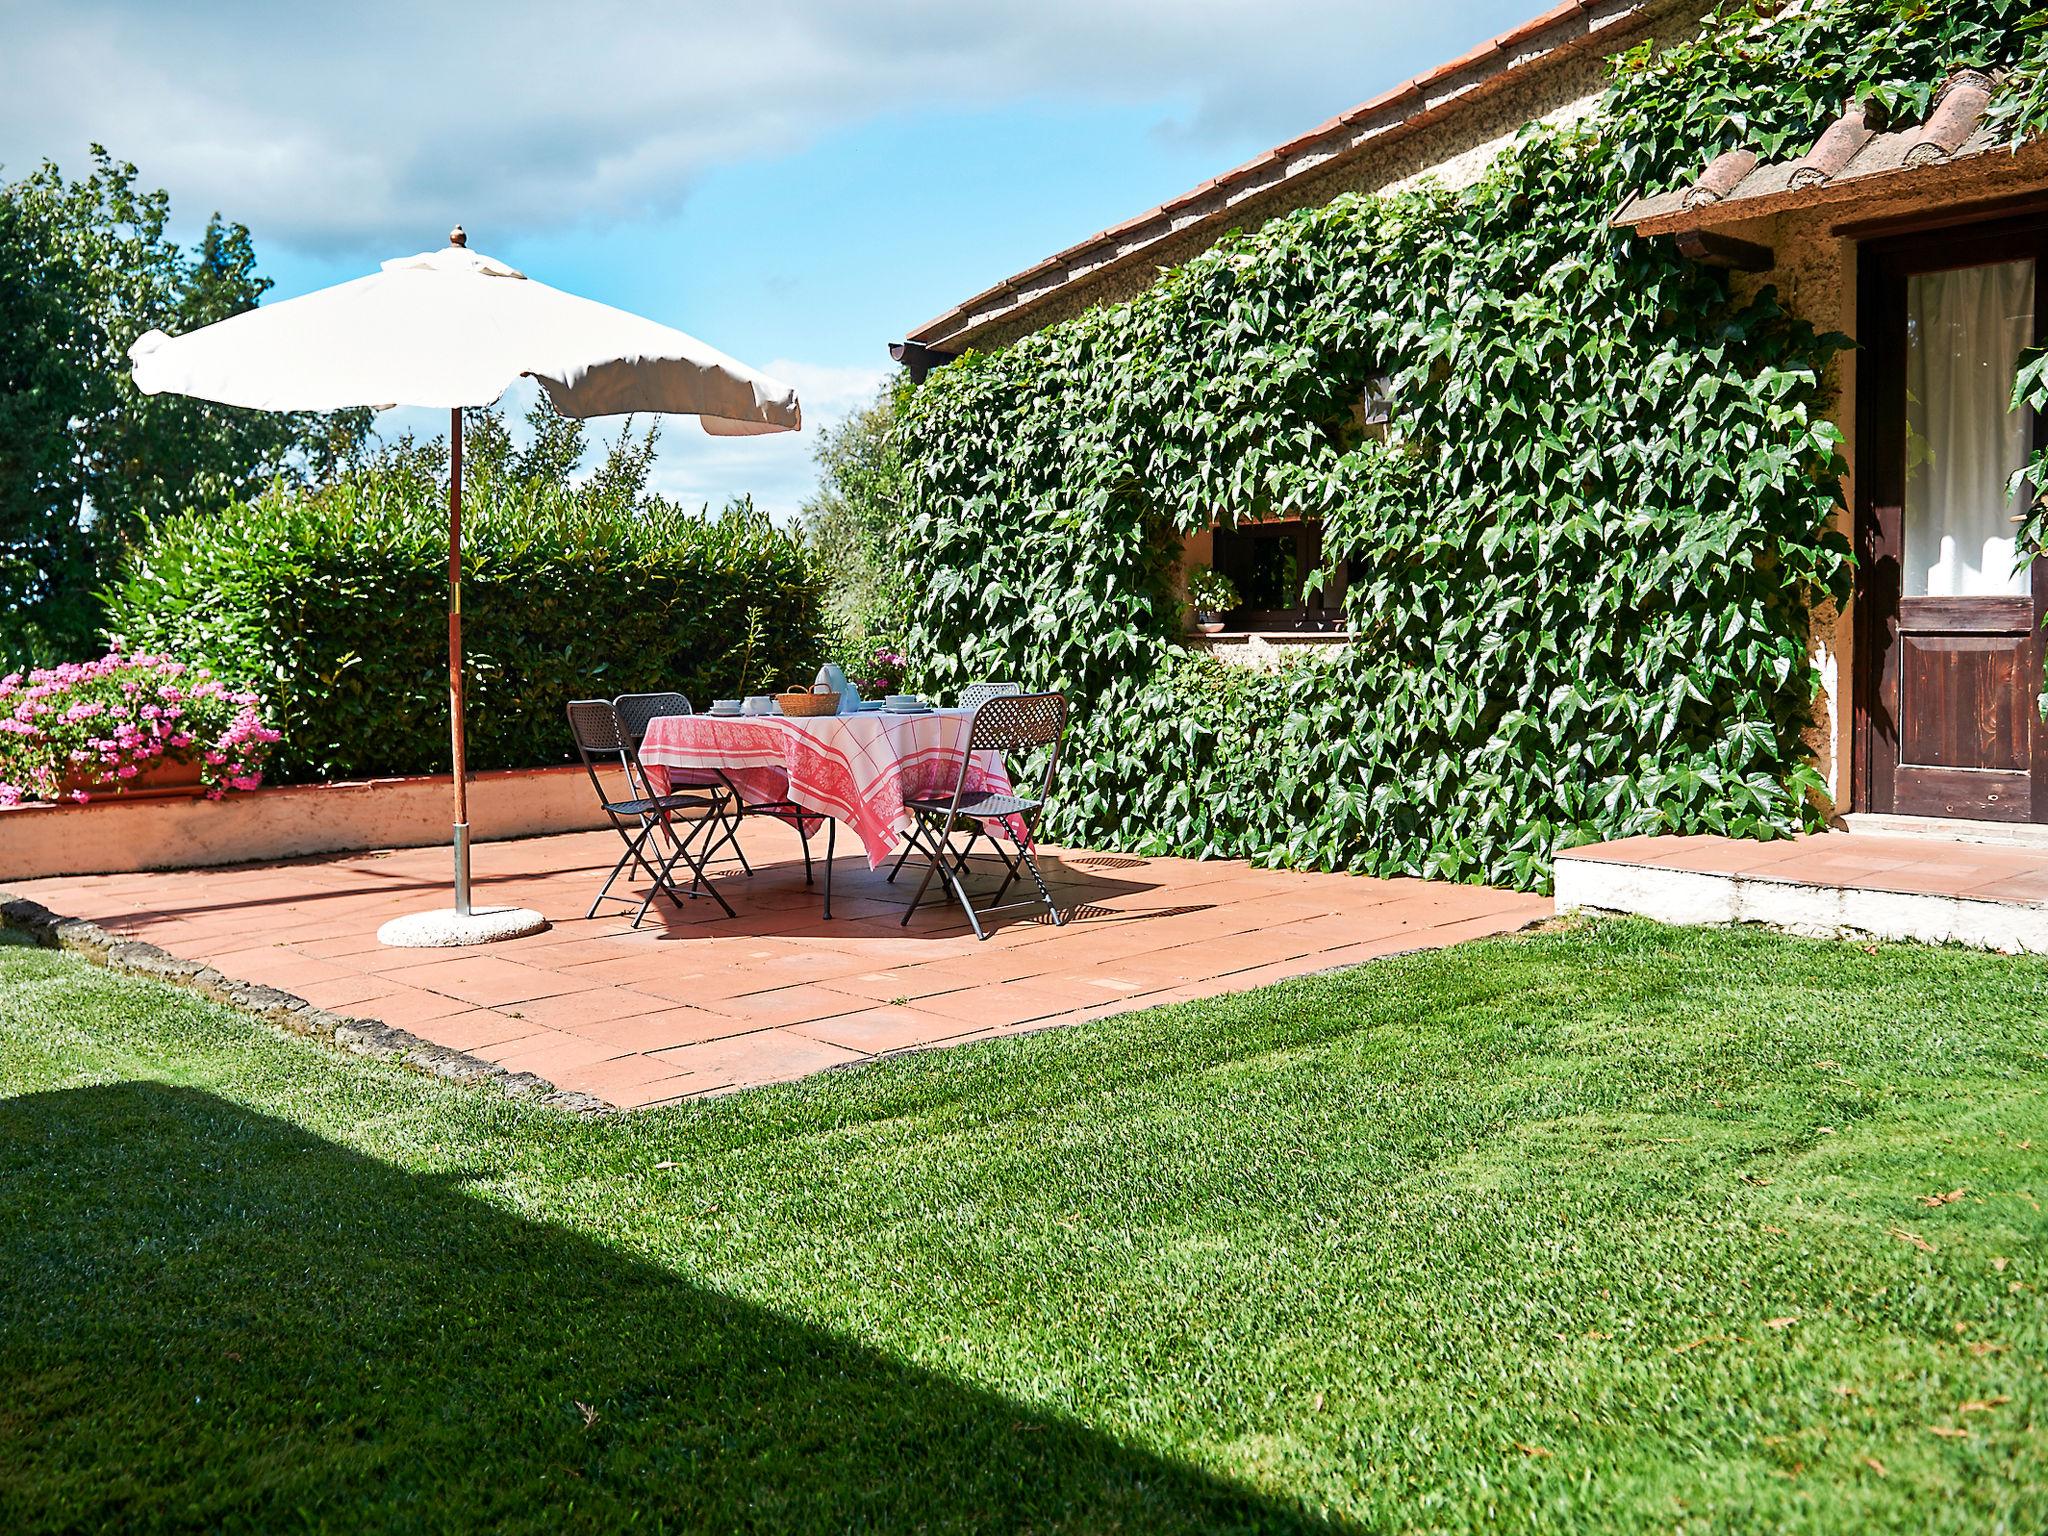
(454, 329)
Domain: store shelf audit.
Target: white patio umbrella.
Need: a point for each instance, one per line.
(453, 329)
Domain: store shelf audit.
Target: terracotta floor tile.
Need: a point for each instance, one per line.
(360, 996)
(552, 1051)
(872, 1031)
(385, 960)
(596, 1005)
(786, 1005)
(287, 970)
(660, 1031)
(625, 1080)
(405, 1007)
(769, 1056)
(347, 946)
(490, 982)
(2031, 888)
(482, 1031)
(1010, 1003)
(910, 981)
(664, 1091)
(558, 953)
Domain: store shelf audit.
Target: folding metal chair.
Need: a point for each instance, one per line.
(636, 710)
(1006, 723)
(638, 815)
(973, 696)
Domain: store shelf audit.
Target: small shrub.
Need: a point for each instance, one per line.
(107, 720)
(1210, 591)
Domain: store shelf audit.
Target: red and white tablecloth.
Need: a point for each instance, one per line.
(858, 768)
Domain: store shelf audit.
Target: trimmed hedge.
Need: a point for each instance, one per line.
(333, 605)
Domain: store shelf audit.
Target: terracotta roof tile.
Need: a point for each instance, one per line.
(1833, 150)
(1843, 162)
(1722, 176)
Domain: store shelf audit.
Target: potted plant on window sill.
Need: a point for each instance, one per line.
(1211, 594)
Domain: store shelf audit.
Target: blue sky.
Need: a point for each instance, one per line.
(797, 184)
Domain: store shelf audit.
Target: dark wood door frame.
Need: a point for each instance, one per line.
(1884, 265)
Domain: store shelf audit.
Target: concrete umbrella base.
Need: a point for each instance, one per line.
(449, 929)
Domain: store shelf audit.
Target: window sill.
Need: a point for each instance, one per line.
(1273, 637)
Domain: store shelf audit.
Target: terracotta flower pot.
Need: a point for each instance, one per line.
(168, 778)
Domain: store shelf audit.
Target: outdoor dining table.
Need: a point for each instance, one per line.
(858, 768)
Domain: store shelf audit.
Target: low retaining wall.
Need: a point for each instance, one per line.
(116, 836)
(1817, 909)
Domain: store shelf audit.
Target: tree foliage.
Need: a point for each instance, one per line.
(87, 266)
(854, 525)
(1585, 557)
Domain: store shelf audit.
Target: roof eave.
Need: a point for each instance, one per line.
(1542, 42)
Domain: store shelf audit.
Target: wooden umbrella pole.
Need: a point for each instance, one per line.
(455, 661)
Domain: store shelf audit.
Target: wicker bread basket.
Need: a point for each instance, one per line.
(808, 704)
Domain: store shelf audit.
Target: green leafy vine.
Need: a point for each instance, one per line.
(1584, 559)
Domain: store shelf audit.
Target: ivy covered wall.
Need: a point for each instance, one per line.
(1587, 551)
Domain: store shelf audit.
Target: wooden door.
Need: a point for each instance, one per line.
(1949, 654)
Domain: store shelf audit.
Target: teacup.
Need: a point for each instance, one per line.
(759, 704)
(903, 701)
(725, 706)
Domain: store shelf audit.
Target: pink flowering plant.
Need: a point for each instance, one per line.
(106, 721)
(885, 672)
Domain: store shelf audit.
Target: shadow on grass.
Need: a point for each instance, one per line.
(213, 1319)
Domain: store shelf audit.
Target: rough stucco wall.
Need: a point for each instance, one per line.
(1815, 278)
(1453, 151)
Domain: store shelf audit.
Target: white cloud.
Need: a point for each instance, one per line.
(777, 471)
(353, 129)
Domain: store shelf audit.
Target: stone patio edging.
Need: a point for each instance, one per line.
(282, 1010)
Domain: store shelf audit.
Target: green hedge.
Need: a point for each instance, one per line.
(333, 605)
(1590, 545)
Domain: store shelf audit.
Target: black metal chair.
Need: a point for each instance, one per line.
(638, 815)
(636, 711)
(973, 696)
(1006, 723)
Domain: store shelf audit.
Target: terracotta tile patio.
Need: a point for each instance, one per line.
(695, 1002)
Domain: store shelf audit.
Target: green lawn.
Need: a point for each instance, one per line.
(1618, 1228)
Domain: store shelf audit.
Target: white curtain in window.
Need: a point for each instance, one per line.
(1965, 331)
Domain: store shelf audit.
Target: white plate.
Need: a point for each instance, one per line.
(907, 709)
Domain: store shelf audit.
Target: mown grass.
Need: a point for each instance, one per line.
(1617, 1228)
